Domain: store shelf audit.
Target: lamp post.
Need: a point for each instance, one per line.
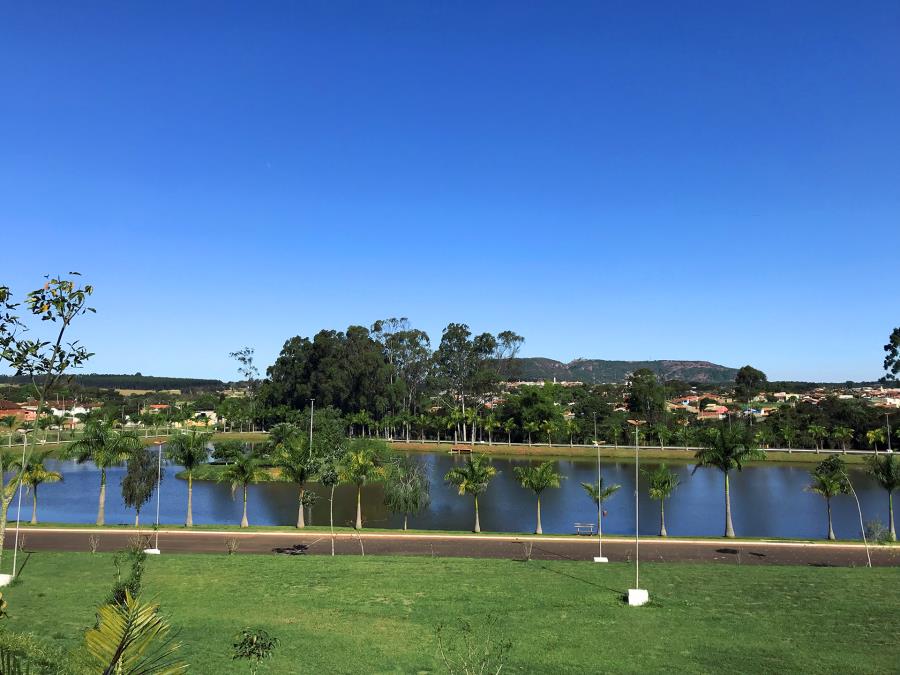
(155, 549)
(887, 421)
(637, 596)
(599, 558)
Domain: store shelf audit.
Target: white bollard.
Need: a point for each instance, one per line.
(638, 597)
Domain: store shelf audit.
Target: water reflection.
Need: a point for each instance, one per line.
(768, 500)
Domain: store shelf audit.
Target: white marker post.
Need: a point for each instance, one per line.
(599, 558)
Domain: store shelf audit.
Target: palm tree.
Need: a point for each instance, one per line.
(359, 465)
(530, 428)
(788, 433)
(726, 448)
(829, 479)
(537, 479)
(876, 436)
(9, 422)
(490, 424)
(571, 428)
(663, 434)
(33, 474)
(663, 482)
(190, 451)
(509, 426)
(293, 455)
(598, 495)
(818, 433)
(472, 478)
(407, 489)
(106, 447)
(763, 437)
(887, 472)
(244, 470)
(842, 435)
(549, 427)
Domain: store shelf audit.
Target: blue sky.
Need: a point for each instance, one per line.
(675, 180)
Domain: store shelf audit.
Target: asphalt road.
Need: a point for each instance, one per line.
(470, 546)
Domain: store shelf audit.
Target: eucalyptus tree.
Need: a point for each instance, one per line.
(35, 474)
(105, 446)
(142, 476)
(473, 479)
(886, 471)
(407, 489)
(726, 448)
(243, 471)
(829, 479)
(662, 483)
(537, 479)
(189, 450)
(842, 435)
(363, 462)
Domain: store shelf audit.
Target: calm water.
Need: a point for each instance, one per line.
(767, 501)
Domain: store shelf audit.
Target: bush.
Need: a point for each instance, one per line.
(30, 654)
(877, 532)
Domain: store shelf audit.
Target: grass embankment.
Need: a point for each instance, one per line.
(377, 614)
(623, 452)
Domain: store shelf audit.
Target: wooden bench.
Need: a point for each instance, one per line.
(584, 528)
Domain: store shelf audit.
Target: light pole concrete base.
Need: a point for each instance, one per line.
(152, 551)
(5, 579)
(638, 597)
(598, 558)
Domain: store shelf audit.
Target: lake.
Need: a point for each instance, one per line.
(768, 500)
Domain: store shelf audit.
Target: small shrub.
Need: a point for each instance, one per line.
(255, 645)
(132, 583)
(468, 649)
(94, 543)
(232, 544)
(877, 532)
(30, 654)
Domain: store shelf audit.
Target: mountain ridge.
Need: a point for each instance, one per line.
(598, 371)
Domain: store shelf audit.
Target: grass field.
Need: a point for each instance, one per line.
(378, 614)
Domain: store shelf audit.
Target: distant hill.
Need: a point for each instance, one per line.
(136, 381)
(596, 371)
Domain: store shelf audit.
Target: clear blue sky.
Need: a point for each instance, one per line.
(678, 180)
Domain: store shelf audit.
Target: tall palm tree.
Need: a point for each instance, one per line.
(472, 478)
(293, 456)
(509, 426)
(829, 479)
(763, 437)
(190, 450)
(726, 449)
(9, 421)
(818, 433)
(530, 428)
(599, 494)
(34, 473)
(886, 471)
(876, 436)
(663, 434)
(490, 424)
(663, 482)
(549, 428)
(106, 447)
(842, 435)
(244, 470)
(537, 479)
(361, 464)
(571, 429)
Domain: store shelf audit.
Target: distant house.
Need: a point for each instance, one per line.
(156, 408)
(12, 409)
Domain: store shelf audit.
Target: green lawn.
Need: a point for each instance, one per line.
(377, 614)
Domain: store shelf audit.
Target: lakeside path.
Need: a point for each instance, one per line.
(735, 551)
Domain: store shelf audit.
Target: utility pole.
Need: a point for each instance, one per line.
(637, 596)
(887, 421)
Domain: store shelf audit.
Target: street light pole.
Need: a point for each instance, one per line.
(637, 596)
(887, 421)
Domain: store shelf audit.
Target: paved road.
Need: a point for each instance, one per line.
(550, 548)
